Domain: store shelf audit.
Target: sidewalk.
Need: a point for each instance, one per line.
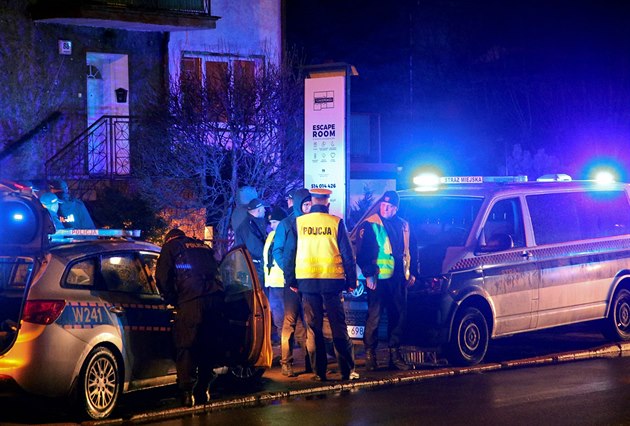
(275, 386)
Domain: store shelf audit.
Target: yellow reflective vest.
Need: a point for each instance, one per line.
(318, 253)
(385, 258)
(274, 276)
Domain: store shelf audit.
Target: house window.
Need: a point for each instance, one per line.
(217, 74)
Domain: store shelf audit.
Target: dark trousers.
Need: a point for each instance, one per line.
(276, 303)
(293, 327)
(390, 295)
(314, 305)
(198, 341)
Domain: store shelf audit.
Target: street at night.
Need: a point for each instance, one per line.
(314, 212)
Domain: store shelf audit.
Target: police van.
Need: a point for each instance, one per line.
(499, 256)
(82, 319)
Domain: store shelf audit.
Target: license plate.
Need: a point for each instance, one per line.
(355, 331)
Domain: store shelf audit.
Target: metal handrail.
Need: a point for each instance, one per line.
(101, 150)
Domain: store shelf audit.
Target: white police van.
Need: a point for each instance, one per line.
(500, 256)
(83, 321)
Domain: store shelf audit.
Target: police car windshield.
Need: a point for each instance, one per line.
(440, 220)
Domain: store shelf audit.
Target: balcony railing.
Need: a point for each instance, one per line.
(187, 6)
(135, 15)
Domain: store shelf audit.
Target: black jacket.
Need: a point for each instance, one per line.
(252, 233)
(186, 270)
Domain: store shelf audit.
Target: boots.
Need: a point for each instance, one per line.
(370, 360)
(396, 361)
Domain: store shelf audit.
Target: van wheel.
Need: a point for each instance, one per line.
(469, 338)
(99, 384)
(618, 322)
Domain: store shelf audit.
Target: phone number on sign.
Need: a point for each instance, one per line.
(323, 185)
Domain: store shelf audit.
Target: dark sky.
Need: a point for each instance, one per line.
(459, 83)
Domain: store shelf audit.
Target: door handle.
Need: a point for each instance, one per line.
(117, 310)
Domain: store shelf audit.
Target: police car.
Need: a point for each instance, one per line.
(82, 320)
(503, 255)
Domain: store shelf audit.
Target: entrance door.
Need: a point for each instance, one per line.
(108, 139)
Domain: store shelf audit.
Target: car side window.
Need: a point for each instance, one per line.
(124, 272)
(81, 274)
(505, 218)
(149, 262)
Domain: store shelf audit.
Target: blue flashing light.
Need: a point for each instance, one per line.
(426, 179)
(604, 177)
(18, 217)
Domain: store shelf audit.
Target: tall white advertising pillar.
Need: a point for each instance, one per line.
(326, 132)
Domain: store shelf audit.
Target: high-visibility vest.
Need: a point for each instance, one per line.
(274, 277)
(317, 249)
(385, 258)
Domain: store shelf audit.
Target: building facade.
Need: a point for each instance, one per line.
(76, 72)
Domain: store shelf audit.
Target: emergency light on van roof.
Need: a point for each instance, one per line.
(430, 182)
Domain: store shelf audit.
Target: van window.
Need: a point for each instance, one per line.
(505, 218)
(573, 216)
(439, 220)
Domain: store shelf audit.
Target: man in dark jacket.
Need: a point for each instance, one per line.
(320, 264)
(385, 259)
(252, 233)
(293, 327)
(187, 274)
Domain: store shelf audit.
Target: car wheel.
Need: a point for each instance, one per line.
(617, 325)
(469, 338)
(99, 384)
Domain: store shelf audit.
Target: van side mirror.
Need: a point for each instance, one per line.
(497, 242)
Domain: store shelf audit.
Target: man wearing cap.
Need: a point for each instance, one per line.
(320, 264)
(274, 278)
(72, 211)
(51, 202)
(384, 257)
(293, 326)
(252, 233)
(187, 275)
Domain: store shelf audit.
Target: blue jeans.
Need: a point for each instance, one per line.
(276, 303)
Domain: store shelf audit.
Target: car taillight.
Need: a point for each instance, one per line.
(43, 311)
(434, 284)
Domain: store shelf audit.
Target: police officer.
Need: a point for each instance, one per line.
(187, 275)
(293, 327)
(384, 258)
(51, 202)
(320, 264)
(72, 211)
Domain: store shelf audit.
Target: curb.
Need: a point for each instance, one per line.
(413, 376)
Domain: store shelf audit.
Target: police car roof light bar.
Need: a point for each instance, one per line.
(65, 234)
